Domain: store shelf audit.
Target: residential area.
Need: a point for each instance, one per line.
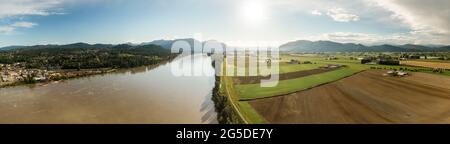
(17, 73)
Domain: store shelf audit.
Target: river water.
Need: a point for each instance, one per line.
(138, 95)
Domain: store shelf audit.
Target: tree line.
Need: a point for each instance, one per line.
(86, 58)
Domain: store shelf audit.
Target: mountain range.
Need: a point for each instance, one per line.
(299, 46)
(329, 46)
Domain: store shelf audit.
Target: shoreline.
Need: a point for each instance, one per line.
(94, 72)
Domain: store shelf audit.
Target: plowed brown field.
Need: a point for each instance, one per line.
(427, 64)
(367, 97)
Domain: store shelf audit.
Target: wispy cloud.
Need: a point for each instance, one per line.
(17, 9)
(316, 12)
(8, 29)
(430, 17)
(11, 8)
(24, 24)
(342, 15)
(373, 39)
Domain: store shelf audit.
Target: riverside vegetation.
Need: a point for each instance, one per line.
(50, 63)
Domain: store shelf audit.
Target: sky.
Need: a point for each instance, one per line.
(370, 22)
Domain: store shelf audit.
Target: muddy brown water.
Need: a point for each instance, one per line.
(139, 95)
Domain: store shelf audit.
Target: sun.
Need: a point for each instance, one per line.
(253, 11)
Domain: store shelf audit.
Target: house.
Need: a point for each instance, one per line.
(39, 78)
(367, 61)
(6, 78)
(396, 73)
(307, 62)
(400, 73)
(294, 62)
(3, 78)
(331, 58)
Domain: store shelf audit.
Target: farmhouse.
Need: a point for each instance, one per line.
(294, 62)
(307, 62)
(396, 73)
(331, 58)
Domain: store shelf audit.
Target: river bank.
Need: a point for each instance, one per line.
(68, 74)
(141, 95)
(227, 113)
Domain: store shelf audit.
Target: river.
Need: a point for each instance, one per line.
(138, 95)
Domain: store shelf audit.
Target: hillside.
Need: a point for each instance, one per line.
(329, 46)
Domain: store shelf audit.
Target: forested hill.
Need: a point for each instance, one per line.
(85, 56)
(329, 46)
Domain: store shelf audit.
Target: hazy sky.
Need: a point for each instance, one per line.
(30, 22)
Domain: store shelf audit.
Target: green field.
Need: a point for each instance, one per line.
(244, 108)
(240, 93)
(252, 91)
(287, 68)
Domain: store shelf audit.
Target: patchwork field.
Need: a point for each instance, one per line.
(444, 65)
(367, 97)
(354, 93)
(282, 76)
(255, 91)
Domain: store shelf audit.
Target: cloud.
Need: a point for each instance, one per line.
(424, 17)
(341, 15)
(316, 12)
(374, 39)
(24, 24)
(11, 8)
(408, 21)
(6, 29)
(17, 9)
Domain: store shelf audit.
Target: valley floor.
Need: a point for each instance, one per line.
(367, 97)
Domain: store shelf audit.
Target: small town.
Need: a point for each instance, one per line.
(17, 73)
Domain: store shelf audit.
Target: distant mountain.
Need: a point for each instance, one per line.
(11, 47)
(295, 46)
(85, 45)
(122, 46)
(74, 45)
(416, 47)
(168, 43)
(329, 46)
(163, 43)
(444, 48)
(321, 46)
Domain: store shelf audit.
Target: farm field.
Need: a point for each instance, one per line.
(283, 76)
(298, 78)
(430, 79)
(443, 65)
(252, 91)
(284, 66)
(367, 97)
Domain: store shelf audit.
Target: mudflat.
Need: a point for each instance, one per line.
(367, 97)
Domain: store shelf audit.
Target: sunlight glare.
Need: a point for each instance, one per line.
(253, 11)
